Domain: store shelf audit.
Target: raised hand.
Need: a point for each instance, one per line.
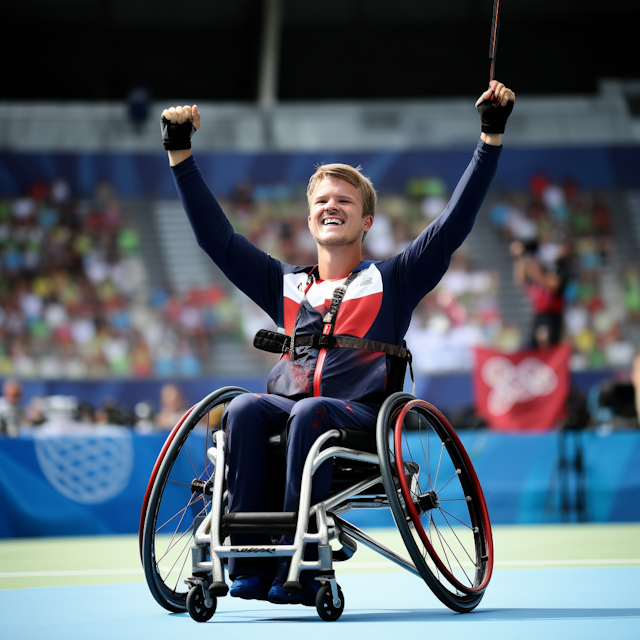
(495, 106)
(178, 124)
(498, 94)
(179, 115)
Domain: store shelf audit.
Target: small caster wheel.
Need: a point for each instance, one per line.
(197, 605)
(324, 603)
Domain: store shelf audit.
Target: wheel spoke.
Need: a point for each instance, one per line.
(473, 562)
(193, 466)
(180, 482)
(435, 482)
(455, 475)
(464, 524)
(444, 540)
(178, 513)
(174, 541)
(175, 515)
(205, 475)
(426, 457)
(432, 524)
(186, 555)
(189, 530)
(412, 460)
(442, 543)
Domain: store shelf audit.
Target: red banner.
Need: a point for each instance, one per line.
(524, 391)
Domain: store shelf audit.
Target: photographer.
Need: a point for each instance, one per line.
(544, 283)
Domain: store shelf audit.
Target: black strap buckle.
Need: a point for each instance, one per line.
(271, 341)
(326, 341)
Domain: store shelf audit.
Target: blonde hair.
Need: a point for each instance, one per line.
(349, 174)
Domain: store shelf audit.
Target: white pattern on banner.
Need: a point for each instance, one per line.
(89, 469)
(511, 384)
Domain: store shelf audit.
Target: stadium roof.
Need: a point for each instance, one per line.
(337, 49)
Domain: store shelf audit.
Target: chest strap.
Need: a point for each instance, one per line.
(280, 343)
(274, 342)
(336, 300)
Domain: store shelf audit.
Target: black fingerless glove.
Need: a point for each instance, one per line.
(176, 136)
(494, 118)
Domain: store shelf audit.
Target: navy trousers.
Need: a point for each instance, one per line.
(249, 421)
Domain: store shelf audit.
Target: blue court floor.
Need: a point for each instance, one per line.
(545, 604)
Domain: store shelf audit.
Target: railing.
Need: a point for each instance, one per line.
(73, 127)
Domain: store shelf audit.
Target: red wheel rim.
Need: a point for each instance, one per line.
(154, 473)
(413, 512)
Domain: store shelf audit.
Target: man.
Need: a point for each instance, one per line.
(12, 417)
(344, 349)
(545, 286)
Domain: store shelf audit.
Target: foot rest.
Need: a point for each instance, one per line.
(218, 589)
(293, 587)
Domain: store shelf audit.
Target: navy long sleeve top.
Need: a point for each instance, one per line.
(377, 305)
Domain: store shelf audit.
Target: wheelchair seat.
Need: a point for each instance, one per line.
(345, 472)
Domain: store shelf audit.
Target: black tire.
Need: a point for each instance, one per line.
(324, 603)
(196, 606)
(173, 506)
(450, 544)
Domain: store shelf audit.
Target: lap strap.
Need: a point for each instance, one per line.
(280, 343)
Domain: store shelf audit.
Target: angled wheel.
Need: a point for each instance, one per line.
(197, 605)
(325, 606)
(437, 501)
(178, 498)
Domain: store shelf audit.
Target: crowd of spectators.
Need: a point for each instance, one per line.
(75, 300)
(598, 302)
(74, 295)
(59, 414)
(70, 269)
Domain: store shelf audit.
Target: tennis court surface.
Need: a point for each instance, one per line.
(571, 581)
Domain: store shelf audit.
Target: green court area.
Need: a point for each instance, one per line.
(50, 562)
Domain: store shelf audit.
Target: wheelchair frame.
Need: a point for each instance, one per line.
(409, 505)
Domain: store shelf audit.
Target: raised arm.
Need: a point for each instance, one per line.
(421, 266)
(252, 270)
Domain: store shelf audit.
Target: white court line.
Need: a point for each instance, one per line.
(516, 563)
(555, 563)
(350, 565)
(71, 572)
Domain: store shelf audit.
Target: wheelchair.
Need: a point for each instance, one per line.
(414, 464)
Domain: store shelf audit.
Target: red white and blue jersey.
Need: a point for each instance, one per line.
(377, 305)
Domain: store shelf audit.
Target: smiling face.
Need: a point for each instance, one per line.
(335, 217)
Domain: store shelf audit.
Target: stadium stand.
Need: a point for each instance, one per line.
(84, 296)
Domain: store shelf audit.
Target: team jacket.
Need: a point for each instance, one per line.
(377, 306)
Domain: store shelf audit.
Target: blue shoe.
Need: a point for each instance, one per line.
(307, 597)
(250, 588)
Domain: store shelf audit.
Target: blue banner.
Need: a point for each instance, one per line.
(148, 175)
(94, 481)
(76, 484)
